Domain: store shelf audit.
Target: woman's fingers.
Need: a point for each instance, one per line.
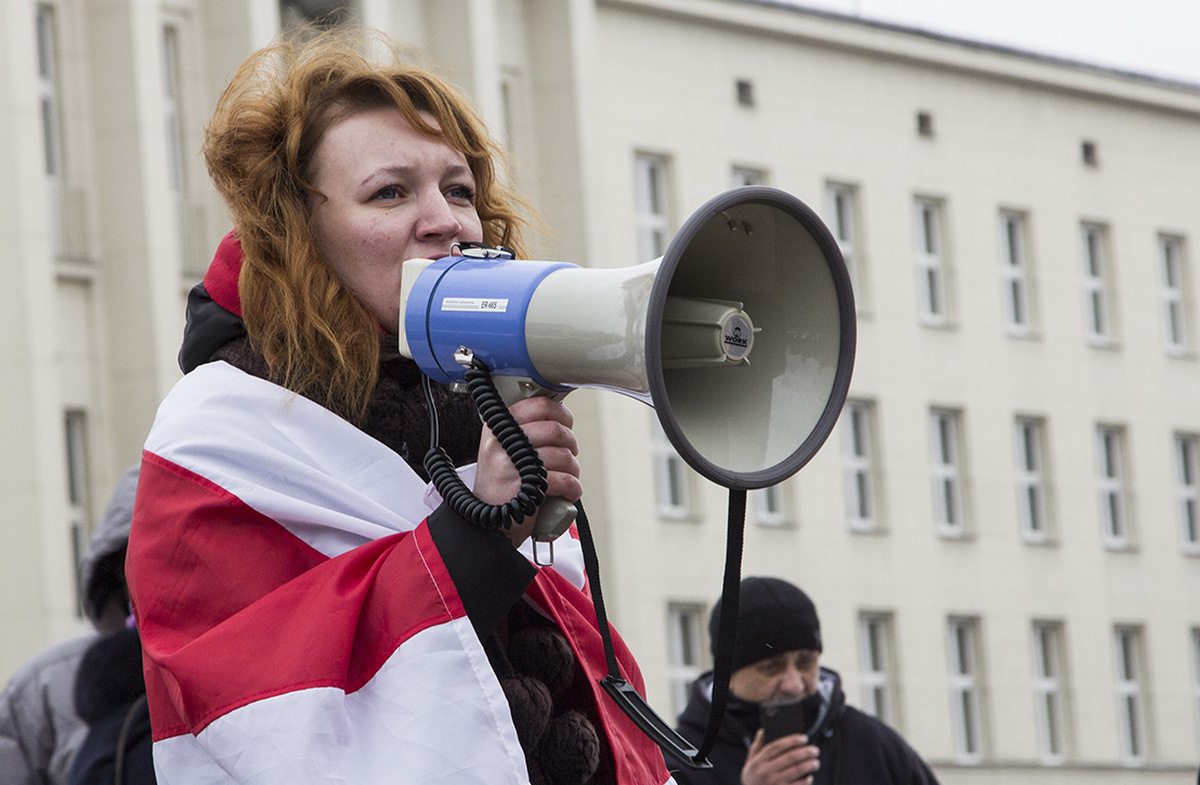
(547, 425)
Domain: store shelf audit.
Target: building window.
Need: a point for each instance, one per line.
(47, 51)
(1114, 514)
(1095, 285)
(686, 633)
(1187, 456)
(1196, 677)
(671, 478)
(876, 666)
(925, 124)
(931, 263)
(78, 473)
(1130, 696)
(1174, 301)
(172, 123)
(966, 713)
(769, 507)
(859, 461)
(79, 497)
(744, 92)
(1014, 272)
(741, 176)
(1048, 689)
(946, 444)
(1032, 479)
(841, 215)
(650, 180)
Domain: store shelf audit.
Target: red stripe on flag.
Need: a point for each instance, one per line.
(233, 608)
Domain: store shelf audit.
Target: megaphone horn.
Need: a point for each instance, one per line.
(741, 336)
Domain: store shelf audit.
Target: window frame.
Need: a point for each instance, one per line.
(843, 211)
(933, 288)
(877, 664)
(172, 106)
(672, 480)
(1173, 267)
(78, 491)
(1129, 659)
(1015, 273)
(50, 98)
(860, 466)
(1033, 481)
(770, 507)
(1187, 477)
(1049, 688)
(1195, 642)
(742, 176)
(652, 204)
(1113, 486)
(965, 681)
(686, 660)
(948, 471)
(1097, 261)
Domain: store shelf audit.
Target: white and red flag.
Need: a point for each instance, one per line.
(298, 621)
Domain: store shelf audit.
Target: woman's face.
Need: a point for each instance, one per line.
(391, 194)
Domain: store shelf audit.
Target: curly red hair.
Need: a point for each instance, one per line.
(317, 337)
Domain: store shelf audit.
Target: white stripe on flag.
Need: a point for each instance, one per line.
(434, 713)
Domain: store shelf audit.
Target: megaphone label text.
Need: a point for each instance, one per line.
(737, 336)
(475, 304)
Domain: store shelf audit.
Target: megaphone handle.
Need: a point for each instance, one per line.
(556, 514)
(495, 414)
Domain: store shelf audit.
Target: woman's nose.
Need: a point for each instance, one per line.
(436, 218)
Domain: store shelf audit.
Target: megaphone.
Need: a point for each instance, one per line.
(741, 336)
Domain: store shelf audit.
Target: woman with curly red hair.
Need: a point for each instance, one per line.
(309, 609)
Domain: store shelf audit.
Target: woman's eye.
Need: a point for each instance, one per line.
(388, 192)
(464, 192)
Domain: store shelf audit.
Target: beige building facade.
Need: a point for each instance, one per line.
(1002, 533)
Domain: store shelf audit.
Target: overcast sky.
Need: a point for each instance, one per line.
(1154, 37)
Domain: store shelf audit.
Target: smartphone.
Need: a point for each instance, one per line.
(783, 718)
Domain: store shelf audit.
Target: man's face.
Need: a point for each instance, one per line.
(788, 676)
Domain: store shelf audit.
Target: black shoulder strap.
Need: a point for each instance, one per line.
(624, 695)
(138, 707)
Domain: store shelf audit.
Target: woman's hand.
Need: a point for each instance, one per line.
(789, 759)
(547, 423)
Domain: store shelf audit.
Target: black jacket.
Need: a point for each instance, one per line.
(856, 748)
(110, 696)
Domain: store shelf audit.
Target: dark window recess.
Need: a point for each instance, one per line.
(745, 92)
(925, 124)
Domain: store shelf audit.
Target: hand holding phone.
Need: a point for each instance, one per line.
(783, 718)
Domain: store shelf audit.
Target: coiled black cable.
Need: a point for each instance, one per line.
(508, 432)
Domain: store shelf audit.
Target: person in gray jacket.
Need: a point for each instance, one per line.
(40, 731)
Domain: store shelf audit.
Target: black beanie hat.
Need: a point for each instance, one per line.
(773, 617)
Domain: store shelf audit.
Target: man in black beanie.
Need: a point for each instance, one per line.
(776, 662)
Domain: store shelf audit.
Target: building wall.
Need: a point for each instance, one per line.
(577, 90)
(835, 101)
